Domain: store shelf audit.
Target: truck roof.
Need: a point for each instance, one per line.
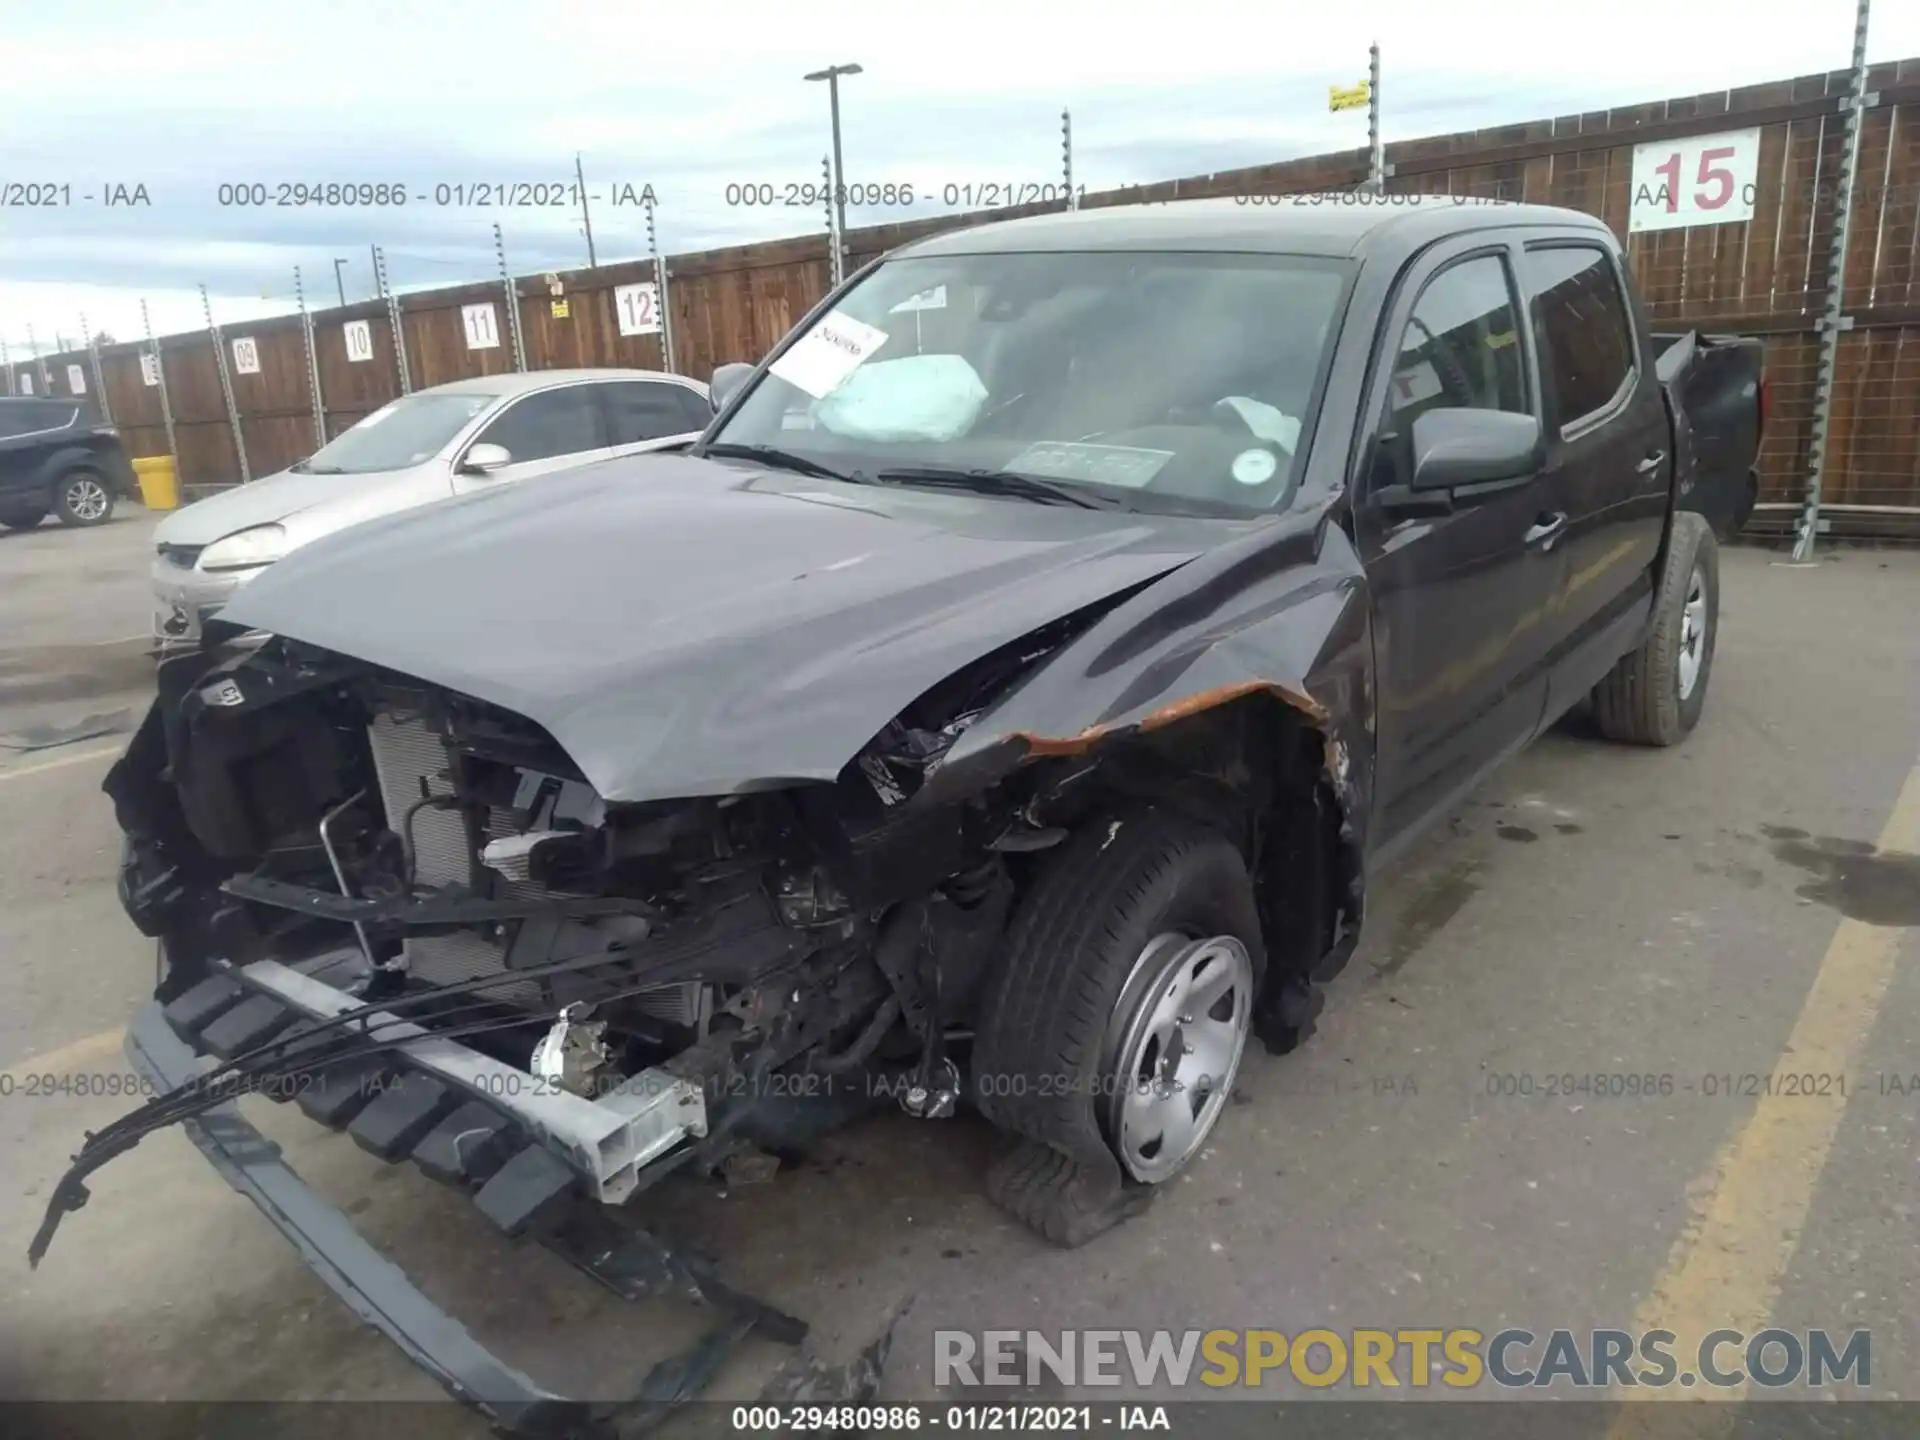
(1341, 223)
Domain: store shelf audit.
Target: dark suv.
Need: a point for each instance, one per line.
(57, 457)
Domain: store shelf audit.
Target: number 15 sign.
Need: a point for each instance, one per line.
(1704, 180)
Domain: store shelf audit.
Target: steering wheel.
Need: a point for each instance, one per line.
(1455, 383)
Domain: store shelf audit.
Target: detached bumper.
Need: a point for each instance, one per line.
(629, 1263)
(374, 1288)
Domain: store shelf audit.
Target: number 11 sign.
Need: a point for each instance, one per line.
(1703, 180)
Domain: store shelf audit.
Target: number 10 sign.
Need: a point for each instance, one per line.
(1704, 180)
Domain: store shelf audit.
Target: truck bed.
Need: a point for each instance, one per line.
(1718, 384)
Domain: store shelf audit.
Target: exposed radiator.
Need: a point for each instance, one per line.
(411, 761)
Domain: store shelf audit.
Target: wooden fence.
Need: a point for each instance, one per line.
(1766, 276)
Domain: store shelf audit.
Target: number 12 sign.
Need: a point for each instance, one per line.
(1704, 180)
(637, 308)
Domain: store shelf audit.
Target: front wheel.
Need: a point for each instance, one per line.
(1654, 695)
(82, 498)
(23, 519)
(1110, 1038)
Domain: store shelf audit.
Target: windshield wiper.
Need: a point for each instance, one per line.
(783, 459)
(1004, 482)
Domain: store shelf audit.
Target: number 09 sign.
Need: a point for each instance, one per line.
(1704, 180)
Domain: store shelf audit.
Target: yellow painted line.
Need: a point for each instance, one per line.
(68, 1058)
(1751, 1204)
(20, 772)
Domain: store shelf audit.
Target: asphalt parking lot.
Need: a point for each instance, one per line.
(1743, 906)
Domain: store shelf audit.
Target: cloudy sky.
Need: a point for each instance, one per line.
(184, 97)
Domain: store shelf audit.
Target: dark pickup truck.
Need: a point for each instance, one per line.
(1005, 705)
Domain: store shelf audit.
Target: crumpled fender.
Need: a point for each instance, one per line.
(1284, 610)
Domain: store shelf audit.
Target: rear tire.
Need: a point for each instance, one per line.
(1654, 696)
(82, 497)
(23, 520)
(1128, 913)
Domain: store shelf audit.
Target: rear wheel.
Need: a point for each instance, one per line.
(82, 498)
(23, 519)
(1110, 1039)
(1654, 696)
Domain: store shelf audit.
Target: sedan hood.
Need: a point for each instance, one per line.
(275, 498)
(691, 627)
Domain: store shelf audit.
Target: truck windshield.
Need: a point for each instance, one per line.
(1161, 379)
(412, 429)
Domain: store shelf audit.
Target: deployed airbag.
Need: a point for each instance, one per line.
(917, 397)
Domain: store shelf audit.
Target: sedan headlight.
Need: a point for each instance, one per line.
(245, 549)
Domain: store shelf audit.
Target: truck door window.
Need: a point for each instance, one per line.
(1586, 343)
(1460, 348)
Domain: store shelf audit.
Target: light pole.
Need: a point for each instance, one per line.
(339, 284)
(832, 76)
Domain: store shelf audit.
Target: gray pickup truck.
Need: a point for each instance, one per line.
(1005, 706)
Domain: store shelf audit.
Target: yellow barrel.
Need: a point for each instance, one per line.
(159, 482)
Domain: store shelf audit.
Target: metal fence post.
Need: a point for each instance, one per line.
(226, 387)
(385, 292)
(313, 363)
(41, 385)
(99, 380)
(6, 364)
(513, 301)
(660, 290)
(160, 383)
(1066, 156)
(1376, 150)
(1833, 322)
(836, 260)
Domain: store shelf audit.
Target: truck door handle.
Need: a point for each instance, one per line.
(1651, 463)
(1546, 529)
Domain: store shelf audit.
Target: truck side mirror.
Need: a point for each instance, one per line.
(726, 383)
(1473, 447)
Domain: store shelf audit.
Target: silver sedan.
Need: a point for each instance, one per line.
(423, 447)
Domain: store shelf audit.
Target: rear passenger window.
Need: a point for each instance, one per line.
(1586, 342)
(34, 417)
(653, 409)
(1460, 348)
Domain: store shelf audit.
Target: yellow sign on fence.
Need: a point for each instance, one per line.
(1351, 97)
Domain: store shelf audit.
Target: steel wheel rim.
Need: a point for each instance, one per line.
(86, 499)
(1693, 632)
(1174, 1047)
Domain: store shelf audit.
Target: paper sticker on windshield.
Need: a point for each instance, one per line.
(819, 360)
(1121, 465)
(1254, 467)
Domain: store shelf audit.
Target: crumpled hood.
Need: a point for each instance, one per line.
(275, 498)
(686, 627)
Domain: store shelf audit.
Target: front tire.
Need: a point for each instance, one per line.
(1110, 1038)
(1654, 696)
(82, 497)
(23, 519)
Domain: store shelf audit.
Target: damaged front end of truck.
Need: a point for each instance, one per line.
(520, 961)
